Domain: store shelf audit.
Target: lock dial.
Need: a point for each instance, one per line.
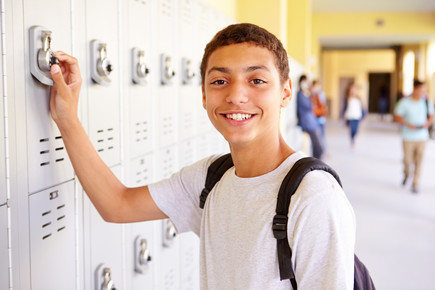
(140, 70)
(41, 54)
(167, 72)
(101, 66)
(188, 72)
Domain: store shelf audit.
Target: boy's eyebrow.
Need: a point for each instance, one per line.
(248, 69)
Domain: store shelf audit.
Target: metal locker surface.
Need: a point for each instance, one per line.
(4, 256)
(104, 245)
(52, 238)
(104, 98)
(167, 162)
(189, 261)
(140, 171)
(139, 101)
(166, 59)
(48, 162)
(187, 151)
(2, 146)
(189, 61)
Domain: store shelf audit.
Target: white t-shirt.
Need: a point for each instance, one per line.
(353, 110)
(238, 249)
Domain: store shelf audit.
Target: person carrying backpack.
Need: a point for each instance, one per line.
(245, 84)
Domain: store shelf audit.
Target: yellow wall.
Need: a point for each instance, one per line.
(269, 15)
(228, 7)
(352, 63)
(299, 26)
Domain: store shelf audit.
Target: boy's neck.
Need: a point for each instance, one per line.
(259, 159)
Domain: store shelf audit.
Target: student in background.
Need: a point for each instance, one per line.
(306, 118)
(353, 112)
(320, 109)
(415, 114)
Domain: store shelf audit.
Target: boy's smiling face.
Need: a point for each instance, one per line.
(243, 95)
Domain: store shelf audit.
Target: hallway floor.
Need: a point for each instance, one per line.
(395, 228)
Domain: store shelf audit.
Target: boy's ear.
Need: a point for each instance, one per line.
(203, 97)
(286, 93)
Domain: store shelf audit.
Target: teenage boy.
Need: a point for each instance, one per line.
(415, 114)
(245, 84)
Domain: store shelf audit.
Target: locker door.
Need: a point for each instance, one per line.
(52, 238)
(189, 63)
(104, 247)
(168, 68)
(48, 162)
(104, 75)
(2, 149)
(167, 275)
(138, 76)
(187, 152)
(189, 261)
(4, 257)
(204, 36)
(140, 259)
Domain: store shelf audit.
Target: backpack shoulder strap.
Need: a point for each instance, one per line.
(279, 226)
(214, 173)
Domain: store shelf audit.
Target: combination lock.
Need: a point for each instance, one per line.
(169, 233)
(103, 278)
(166, 69)
(142, 255)
(140, 70)
(41, 54)
(187, 71)
(101, 66)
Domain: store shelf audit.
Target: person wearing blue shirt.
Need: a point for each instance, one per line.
(415, 113)
(306, 118)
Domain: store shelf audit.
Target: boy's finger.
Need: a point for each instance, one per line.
(57, 76)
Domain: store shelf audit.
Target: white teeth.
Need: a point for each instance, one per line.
(238, 117)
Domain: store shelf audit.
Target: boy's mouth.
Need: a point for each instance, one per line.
(238, 116)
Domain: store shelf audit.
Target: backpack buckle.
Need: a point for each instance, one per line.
(279, 226)
(203, 197)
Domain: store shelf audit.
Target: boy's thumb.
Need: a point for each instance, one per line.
(57, 76)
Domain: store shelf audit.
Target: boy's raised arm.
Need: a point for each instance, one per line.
(114, 201)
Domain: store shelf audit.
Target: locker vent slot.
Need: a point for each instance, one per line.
(45, 163)
(141, 131)
(168, 126)
(46, 225)
(105, 139)
(143, 2)
(166, 7)
(46, 213)
(188, 121)
(46, 236)
(61, 217)
(60, 159)
(44, 152)
(44, 140)
(187, 12)
(59, 229)
(59, 148)
(58, 137)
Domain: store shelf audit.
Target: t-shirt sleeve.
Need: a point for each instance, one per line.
(178, 196)
(400, 109)
(322, 234)
(431, 108)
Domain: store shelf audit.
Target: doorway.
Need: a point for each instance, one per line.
(379, 93)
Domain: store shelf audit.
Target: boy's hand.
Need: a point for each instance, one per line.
(64, 96)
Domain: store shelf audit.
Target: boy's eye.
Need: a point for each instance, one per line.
(258, 81)
(218, 82)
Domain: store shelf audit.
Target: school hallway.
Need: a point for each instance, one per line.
(395, 228)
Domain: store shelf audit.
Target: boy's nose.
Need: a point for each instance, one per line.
(237, 94)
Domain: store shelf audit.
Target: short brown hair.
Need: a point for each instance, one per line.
(248, 33)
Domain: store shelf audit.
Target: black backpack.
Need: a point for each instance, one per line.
(362, 279)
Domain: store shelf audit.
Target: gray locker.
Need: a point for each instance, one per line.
(187, 152)
(140, 258)
(189, 64)
(2, 150)
(48, 162)
(138, 76)
(104, 247)
(52, 238)
(189, 261)
(167, 162)
(4, 256)
(103, 88)
(167, 76)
